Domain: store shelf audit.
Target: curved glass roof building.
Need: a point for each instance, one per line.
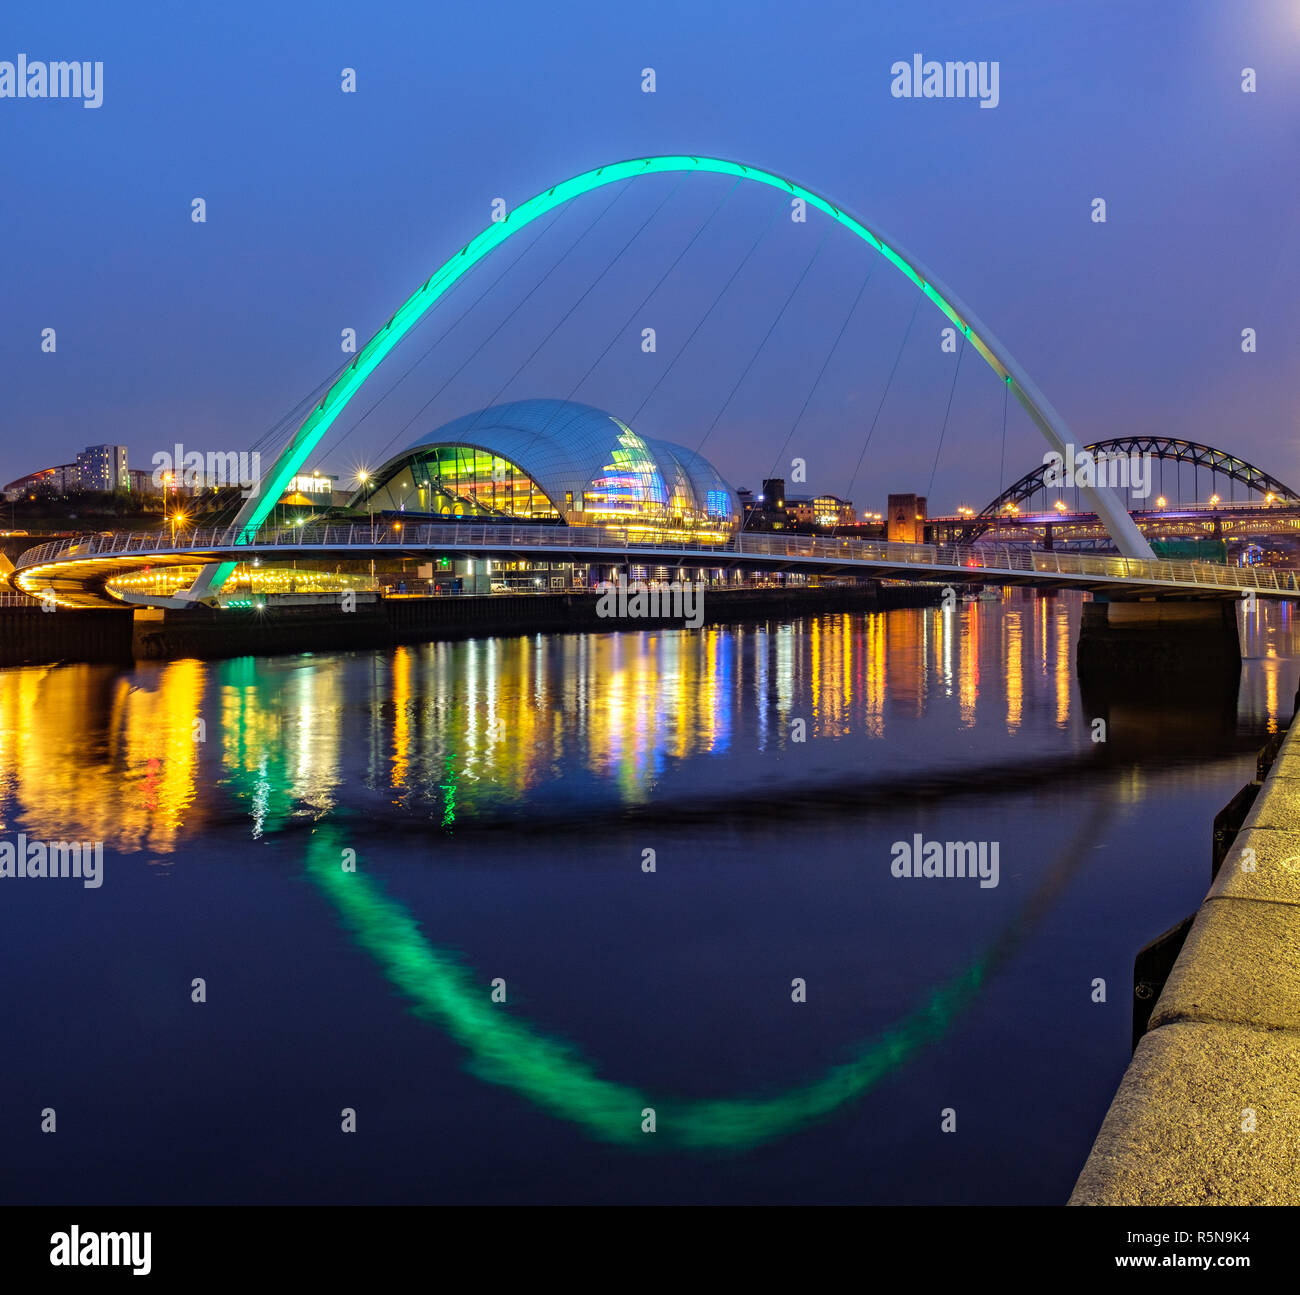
(553, 460)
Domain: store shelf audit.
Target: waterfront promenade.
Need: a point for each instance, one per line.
(1208, 1112)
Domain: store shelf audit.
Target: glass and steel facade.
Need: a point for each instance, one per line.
(553, 460)
(464, 481)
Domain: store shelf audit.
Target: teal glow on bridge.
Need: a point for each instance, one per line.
(1108, 506)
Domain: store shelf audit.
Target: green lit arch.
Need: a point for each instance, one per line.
(1108, 506)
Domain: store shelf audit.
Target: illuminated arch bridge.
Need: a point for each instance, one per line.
(604, 473)
(1166, 448)
(326, 412)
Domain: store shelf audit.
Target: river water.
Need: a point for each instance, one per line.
(669, 852)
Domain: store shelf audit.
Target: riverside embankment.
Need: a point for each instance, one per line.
(30, 635)
(1208, 1112)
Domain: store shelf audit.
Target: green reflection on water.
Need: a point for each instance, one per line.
(552, 1074)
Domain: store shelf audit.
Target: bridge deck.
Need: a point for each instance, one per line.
(76, 570)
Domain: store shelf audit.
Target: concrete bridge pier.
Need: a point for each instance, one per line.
(1153, 644)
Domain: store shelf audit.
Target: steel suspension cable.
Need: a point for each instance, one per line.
(541, 233)
(703, 318)
(1002, 458)
(274, 436)
(646, 299)
(883, 395)
(820, 373)
(563, 257)
(943, 431)
(618, 256)
(275, 433)
(771, 328)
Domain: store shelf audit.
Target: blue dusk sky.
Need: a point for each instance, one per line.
(326, 209)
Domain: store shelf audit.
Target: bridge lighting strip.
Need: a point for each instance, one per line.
(332, 404)
(1152, 581)
(20, 578)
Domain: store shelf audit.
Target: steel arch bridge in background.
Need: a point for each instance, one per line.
(1167, 448)
(1110, 508)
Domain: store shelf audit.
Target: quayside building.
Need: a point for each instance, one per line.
(553, 461)
(549, 462)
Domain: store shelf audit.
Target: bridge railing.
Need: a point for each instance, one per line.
(215, 543)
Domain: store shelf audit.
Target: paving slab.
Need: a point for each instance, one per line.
(1263, 864)
(1240, 963)
(1278, 803)
(1206, 1114)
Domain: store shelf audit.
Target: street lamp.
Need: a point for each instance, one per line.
(1060, 505)
(1160, 501)
(362, 477)
(1214, 500)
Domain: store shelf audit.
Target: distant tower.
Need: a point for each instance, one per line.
(770, 514)
(906, 519)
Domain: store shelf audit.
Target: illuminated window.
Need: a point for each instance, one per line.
(462, 481)
(631, 485)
